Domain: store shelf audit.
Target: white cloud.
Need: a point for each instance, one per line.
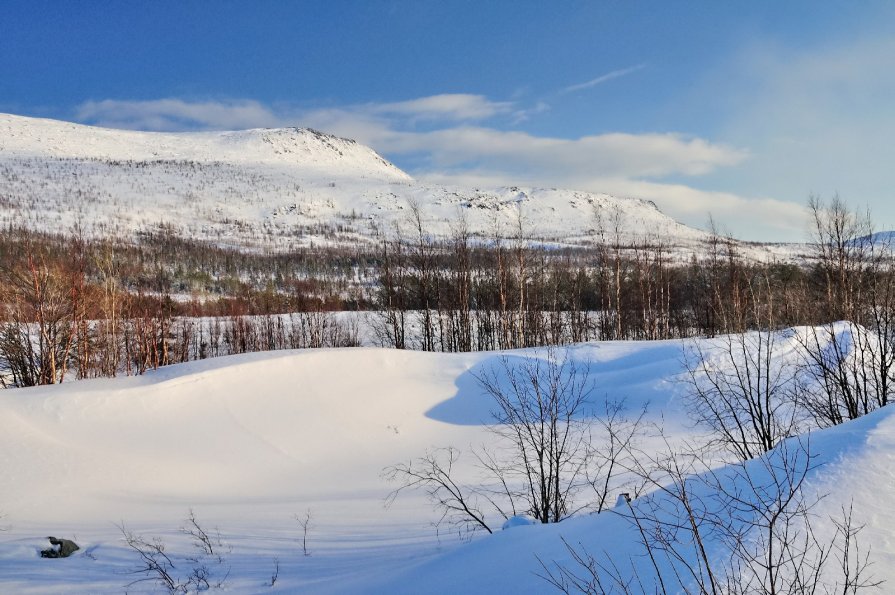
(616, 154)
(388, 127)
(177, 114)
(464, 147)
(602, 79)
(449, 106)
(768, 218)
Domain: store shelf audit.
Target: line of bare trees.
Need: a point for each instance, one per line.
(469, 293)
(463, 293)
(69, 316)
(510, 290)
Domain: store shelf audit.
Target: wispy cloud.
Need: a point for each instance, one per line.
(526, 113)
(177, 114)
(763, 217)
(618, 154)
(456, 107)
(174, 114)
(602, 79)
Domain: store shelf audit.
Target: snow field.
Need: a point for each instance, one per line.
(248, 442)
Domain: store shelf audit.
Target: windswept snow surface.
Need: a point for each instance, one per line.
(248, 442)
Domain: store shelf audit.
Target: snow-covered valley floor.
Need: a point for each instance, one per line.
(250, 442)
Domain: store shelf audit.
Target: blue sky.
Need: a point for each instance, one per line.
(738, 109)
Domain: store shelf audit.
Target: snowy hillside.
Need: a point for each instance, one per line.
(296, 147)
(274, 188)
(249, 442)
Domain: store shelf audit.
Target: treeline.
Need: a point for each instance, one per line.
(72, 308)
(102, 307)
(208, 280)
(469, 293)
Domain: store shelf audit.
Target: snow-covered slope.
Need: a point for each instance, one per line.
(854, 469)
(273, 188)
(250, 441)
(296, 147)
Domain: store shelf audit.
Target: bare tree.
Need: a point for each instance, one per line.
(434, 473)
(849, 360)
(540, 411)
(305, 524)
(422, 259)
(612, 447)
(840, 241)
(389, 323)
(179, 573)
(43, 304)
(209, 544)
(551, 447)
(748, 528)
(275, 574)
(743, 390)
(155, 563)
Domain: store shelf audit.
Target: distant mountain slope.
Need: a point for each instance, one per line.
(273, 189)
(884, 240)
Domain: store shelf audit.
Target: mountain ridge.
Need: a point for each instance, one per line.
(278, 189)
(305, 146)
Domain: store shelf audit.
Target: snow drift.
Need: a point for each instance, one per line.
(249, 442)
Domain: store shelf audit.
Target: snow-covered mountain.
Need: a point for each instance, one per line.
(272, 188)
(305, 149)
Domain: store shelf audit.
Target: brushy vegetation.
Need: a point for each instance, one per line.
(102, 307)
